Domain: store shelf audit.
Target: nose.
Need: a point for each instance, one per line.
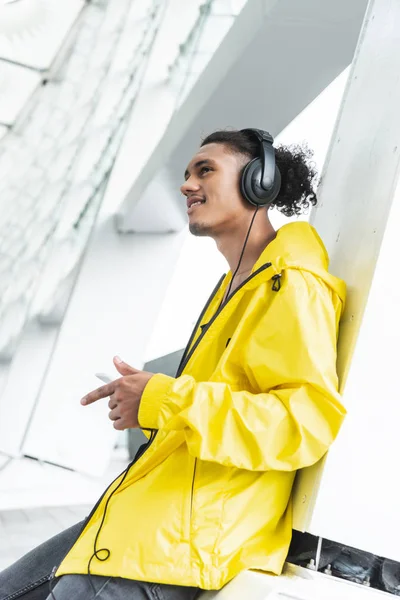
(191, 185)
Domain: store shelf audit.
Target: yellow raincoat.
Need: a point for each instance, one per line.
(255, 399)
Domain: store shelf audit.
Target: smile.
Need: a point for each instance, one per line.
(194, 204)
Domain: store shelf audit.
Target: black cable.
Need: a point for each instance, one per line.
(242, 253)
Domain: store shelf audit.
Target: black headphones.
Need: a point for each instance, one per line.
(261, 179)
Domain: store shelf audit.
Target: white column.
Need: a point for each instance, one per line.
(358, 218)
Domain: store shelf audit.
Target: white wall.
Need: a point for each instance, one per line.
(198, 270)
(112, 311)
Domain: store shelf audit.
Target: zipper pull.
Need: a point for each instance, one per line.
(276, 286)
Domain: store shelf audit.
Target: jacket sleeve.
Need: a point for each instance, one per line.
(290, 410)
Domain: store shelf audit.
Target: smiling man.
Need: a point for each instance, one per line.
(255, 398)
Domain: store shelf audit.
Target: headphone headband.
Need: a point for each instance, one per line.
(261, 135)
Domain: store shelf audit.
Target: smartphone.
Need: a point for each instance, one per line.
(104, 377)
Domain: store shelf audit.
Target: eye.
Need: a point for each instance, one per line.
(204, 170)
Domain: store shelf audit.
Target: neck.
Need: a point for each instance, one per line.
(230, 243)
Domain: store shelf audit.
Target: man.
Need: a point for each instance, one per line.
(255, 399)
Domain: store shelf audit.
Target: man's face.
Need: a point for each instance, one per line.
(212, 190)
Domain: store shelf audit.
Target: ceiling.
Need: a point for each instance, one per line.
(277, 57)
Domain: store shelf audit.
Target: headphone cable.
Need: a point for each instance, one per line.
(242, 253)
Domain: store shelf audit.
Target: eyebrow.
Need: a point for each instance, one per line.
(199, 163)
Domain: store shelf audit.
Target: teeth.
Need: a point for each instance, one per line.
(195, 203)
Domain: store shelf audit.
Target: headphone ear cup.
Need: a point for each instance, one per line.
(245, 182)
(251, 188)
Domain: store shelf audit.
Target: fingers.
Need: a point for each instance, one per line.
(112, 403)
(115, 416)
(123, 368)
(102, 392)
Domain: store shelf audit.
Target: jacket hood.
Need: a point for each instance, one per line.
(298, 246)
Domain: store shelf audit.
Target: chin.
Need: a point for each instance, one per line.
(200, 229)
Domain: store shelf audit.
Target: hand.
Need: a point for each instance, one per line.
(125, 394)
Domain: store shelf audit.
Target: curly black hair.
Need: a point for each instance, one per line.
(294, 162)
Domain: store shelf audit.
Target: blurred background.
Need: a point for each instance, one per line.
(102, 104)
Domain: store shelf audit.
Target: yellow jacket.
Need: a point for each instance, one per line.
(255, 399)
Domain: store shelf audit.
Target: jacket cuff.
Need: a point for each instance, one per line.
(154, 394)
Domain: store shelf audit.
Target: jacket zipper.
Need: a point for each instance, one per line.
(207, 304)
(188, 355)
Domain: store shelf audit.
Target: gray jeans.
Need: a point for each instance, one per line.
(29, 577)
